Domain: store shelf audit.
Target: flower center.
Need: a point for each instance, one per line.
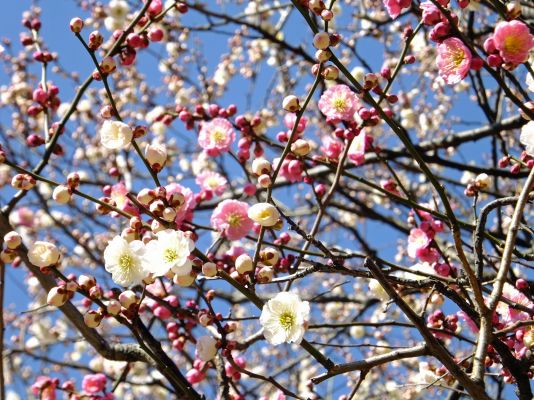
(457, 57)
(287, 320)
(339, 104)
(212, 182)
(126, 261)
(170, 255)
(218, 136)
(234, 220)
(512, 44)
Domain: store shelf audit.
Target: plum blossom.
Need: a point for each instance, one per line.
(394, 7)
(513, 40)
(185, 210)
(119, 196)
(264, 214)
(170, 251)
(206, 348)
(507, 312)
(418, 241)
(115, 135)
(213, 182)
(124, 261)
(45, 388)
(331, 147)
(94, 383)
(453, 60)
(357, 149)
(339, 102)
(284, 318)
(231, 217)
(43, 254)
(216, 136)
(527, 137)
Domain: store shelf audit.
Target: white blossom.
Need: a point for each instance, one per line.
(527, 137)
(206, 348)
(115, 135)
(284, 318)
(43, 254)
(124, 260)
(170, 251)
(264, 214)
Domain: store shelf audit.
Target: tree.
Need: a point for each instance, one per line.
(272, 200)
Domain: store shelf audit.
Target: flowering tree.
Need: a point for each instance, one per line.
(269, 200)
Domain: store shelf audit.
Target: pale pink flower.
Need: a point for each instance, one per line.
(118, 195)
(23, 216)
(216, 136)
(513, 40)
(453, 60)
(339, 103)
(212, 182)
(331, 147)
(94, 383)
(186, 209)
(231, 217)
(508, 313)
(394, 7)
(44, 388)
(357, 149)
(418, 241)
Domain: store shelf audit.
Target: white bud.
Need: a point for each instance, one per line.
(12, 240)
(291, 103)
(264, 214)
(113, 307)
(57, 296)
(61, 194)
(43, 254)
(321, 40)
(156, 155)
(209, 269)
(261, 166)
(244, 264)
(92, 318)
(300, 147)
(184, 280)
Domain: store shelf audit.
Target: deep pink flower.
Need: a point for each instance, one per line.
(394, 7)
(513, 40)
(212, 181)
(185, 210)
(431, 14)
(291, 169)
(94, 383)
(417, 241)
(339, 103)
(216, 136)
(454, 60)
(231, 217)
(44, 388)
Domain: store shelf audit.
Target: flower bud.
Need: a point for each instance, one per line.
(23, 182)
(128, 298)
(61, 194)
(12, 240)
(244, 264)
(156, 155)
(76, 25)
(323, 55)
(57, 296)
(95, 40)
(265, 181)
(146, 196)
(264, 214)
(184, 280)
(108, 65)
(269, 256)
(482, 181)
(92, 318)
(321, 40)
(265, 275)
(8, 256)
(291, 103)
(113, 307)
(301, 147)
(261, 166)
(209, 269)
(86, 282)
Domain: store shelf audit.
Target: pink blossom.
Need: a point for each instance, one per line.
(357, 149)
(394, 7)
(231, 217)
(22, 216)
(339, 103)
(94, 383)
(418, 241)
(513, 41)
(331, 147)
(216, 136)
(453, 60)
(289, 122)
(431, 14)
(118, 195)
(44, 388)
(195, 376)
(508, 313)
(186, 209)
(212, 182)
